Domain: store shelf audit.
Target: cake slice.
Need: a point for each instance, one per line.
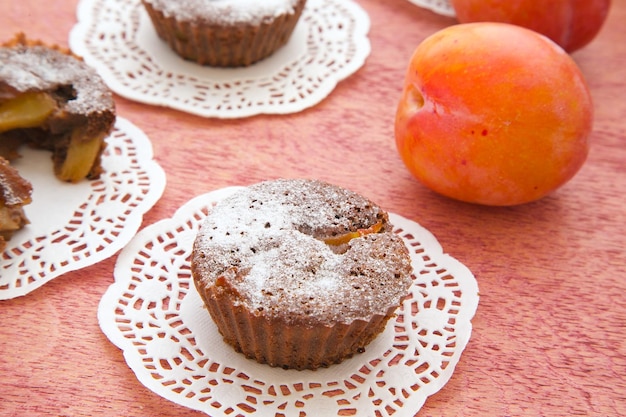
(50, 99)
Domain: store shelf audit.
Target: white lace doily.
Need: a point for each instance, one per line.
(76, 225)
(154, 314)
(117, 38)
(442, 7)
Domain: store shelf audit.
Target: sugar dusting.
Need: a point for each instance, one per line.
(226, 12)
(268, 241)
(39, 68)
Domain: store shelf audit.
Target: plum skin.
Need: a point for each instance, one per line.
(493, 114)
(572, 24)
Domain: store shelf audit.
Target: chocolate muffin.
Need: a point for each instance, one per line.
(51, 99)
(299, 274)
(226, 33)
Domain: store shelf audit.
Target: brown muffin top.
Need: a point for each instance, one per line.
(268, 247)
(32, 66)
(224, 12)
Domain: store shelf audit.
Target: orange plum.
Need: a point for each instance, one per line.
(570, 23)
(493, 114)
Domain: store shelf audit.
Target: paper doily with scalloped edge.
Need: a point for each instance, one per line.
(442, 7)
(154, 315)
(76, 225)
(117, 38)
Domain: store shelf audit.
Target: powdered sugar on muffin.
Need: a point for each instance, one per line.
(274, 252)
(225, 11)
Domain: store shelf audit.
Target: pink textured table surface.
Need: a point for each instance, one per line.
(549, 332)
